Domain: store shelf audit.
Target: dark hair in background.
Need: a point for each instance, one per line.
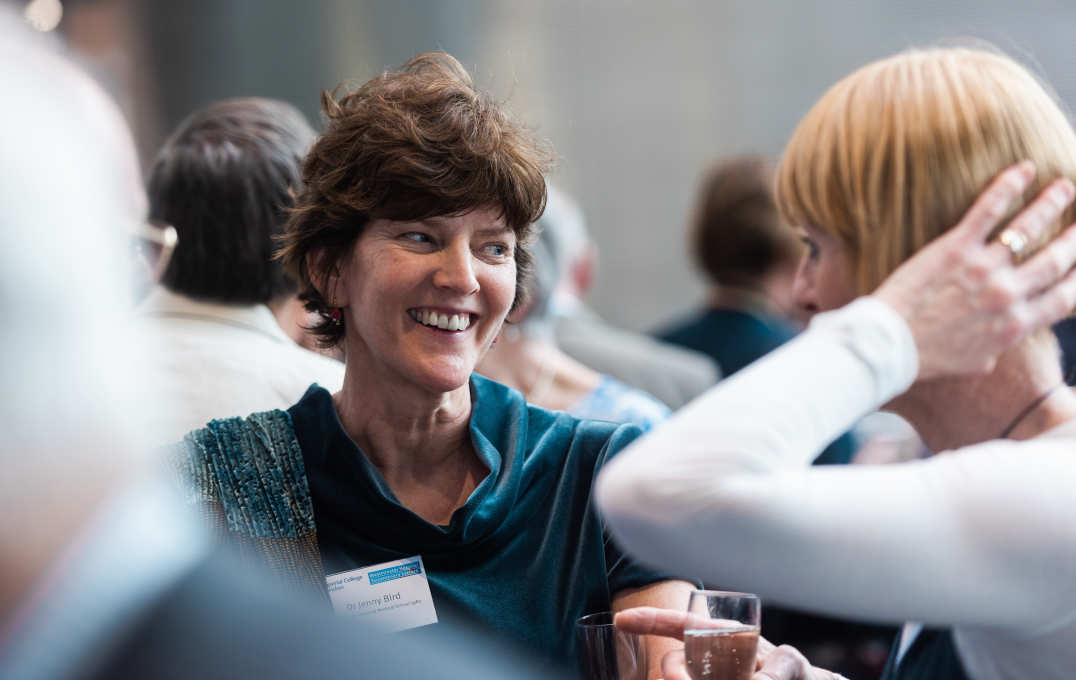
(410, 144)
(737, 236)
(225, 180)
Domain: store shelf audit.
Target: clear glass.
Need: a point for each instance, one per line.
(606, 653)
(721, 635)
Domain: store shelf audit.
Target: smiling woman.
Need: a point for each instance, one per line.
(410, 241)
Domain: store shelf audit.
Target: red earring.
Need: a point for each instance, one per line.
(336, 316)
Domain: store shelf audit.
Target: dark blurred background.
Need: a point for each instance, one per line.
(636, 96)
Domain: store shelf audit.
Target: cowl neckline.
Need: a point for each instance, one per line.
(498, 427)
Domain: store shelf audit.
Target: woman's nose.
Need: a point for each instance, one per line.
(455, 271)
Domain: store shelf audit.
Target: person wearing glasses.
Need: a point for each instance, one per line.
(976, 544)
(224, 180)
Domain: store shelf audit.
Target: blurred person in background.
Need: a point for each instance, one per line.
(102, 572)
(749, 258)
(225, 181)
(673, 375)
(527, 358)
(410, 239)
(976, 544)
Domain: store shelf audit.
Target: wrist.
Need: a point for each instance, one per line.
(882, 339)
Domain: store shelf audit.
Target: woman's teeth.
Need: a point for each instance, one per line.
(446, 322)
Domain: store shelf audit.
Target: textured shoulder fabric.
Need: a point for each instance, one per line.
(247, 478)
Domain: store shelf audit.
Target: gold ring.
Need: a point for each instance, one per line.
(1015, 241)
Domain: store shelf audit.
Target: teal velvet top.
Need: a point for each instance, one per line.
(526, 555)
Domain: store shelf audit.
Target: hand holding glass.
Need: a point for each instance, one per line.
(721, 635)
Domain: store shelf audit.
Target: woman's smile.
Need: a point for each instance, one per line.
(440, 319)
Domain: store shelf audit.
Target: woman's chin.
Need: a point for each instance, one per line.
(444, 381)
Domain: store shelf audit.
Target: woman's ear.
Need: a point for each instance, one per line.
(326, 277)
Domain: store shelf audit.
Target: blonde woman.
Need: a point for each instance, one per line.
(977, 544)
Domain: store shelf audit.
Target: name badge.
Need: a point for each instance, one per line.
(391, 596)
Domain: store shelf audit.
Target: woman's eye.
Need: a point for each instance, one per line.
(498, 250)
(812, 247)
(416, 236)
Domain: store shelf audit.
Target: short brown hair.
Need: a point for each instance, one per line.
(736, 236)
(410, 144)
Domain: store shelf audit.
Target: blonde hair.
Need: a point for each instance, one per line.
(895, 153)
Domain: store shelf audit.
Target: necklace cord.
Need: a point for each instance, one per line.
(1030, 407)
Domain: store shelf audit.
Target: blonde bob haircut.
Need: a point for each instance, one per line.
(894, 154)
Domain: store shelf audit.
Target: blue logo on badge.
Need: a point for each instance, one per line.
(397, 572)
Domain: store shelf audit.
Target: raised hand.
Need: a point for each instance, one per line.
(967, 300)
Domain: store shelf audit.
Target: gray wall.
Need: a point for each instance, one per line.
(637, 97)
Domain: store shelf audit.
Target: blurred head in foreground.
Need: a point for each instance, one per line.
(70, 198)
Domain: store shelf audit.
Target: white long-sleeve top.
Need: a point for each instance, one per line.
(982, 538)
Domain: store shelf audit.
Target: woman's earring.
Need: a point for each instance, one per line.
(336, 316)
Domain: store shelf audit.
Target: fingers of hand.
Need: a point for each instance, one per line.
(674, 666)
(1032, 224)
(1036, 218)
(1049, 264)
(1053, 305)
(994, 203)
(652, 621)
(784, 663)
(665, 622)
(765, 648)
(1001, 289)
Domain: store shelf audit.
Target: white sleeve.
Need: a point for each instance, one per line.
(724, 491)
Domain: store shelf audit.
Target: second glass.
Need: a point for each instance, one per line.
(606, 653)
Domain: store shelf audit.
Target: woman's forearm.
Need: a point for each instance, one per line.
(779, 412)
(723, 492)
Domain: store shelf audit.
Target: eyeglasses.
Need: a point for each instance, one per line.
(153, 244)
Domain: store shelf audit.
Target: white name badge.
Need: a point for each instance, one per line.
(391, 596)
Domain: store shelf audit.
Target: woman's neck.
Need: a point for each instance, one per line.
(1021, 396)
(403, 430)
(419, 441)
(753, 300)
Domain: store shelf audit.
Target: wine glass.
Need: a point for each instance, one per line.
(606, 653)
(721, 635)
